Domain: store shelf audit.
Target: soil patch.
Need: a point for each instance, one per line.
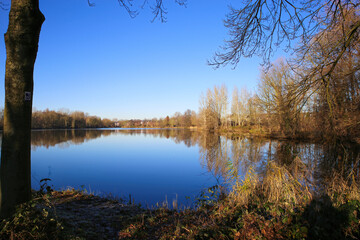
(92, 217)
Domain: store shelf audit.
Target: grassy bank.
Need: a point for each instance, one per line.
(304, 135)
(277, 205)
(263, 132)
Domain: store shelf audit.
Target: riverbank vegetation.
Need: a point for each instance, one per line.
(279, 207)
(313, 94)
(268, 189)
(68, 214)
(282, 108)
(280, 204)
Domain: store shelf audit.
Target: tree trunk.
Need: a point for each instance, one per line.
(21, 40)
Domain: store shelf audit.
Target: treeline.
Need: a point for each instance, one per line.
(283, 106)
(56, 119)
(315, 93)
(187, 119)
(49, 119)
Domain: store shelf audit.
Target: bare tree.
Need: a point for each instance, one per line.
(328, 68)
(321, 34)
(213, 107)
(209, 116)
(240, 106)
(259, 27)
(245, 97)
(274, 97)
(329, 57)
(235, 106)
(220, 96)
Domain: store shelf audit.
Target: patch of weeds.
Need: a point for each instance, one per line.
(45, 188)
(210, 197)
(33, 220)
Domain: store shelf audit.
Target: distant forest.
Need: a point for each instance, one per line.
(49, 119)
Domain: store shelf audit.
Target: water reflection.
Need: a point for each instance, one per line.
(316, 164)
(65, 138)
(150, 164)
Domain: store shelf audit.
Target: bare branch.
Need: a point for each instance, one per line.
(159, 11)
(4, 6)
(91, 4)
(259, 27)
(127, 4)
(158, 8)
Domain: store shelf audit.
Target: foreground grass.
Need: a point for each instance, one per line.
(281, 206)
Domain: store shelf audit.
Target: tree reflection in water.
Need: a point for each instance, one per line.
(315, 164)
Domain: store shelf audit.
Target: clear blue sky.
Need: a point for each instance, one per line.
(101, 61)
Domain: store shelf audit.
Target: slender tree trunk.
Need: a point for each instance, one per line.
(21, 40)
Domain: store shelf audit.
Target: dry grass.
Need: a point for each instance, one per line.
(243, 191)
(279, 186)
(342, 190)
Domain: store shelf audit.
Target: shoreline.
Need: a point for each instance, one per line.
(74, 215)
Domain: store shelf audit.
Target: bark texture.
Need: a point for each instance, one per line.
(21, 40)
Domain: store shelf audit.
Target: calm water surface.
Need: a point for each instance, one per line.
(151, 165)
(158, 164)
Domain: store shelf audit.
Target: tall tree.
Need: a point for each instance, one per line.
(240, 106)
(186, 118)
(219, 103)
(213, 108)
(274, 98)
(235, 106)
(244, 99)
(337, 86)
(21, 40)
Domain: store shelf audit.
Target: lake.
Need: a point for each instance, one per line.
(157, 165)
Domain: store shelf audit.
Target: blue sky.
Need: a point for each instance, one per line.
(100, 61)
